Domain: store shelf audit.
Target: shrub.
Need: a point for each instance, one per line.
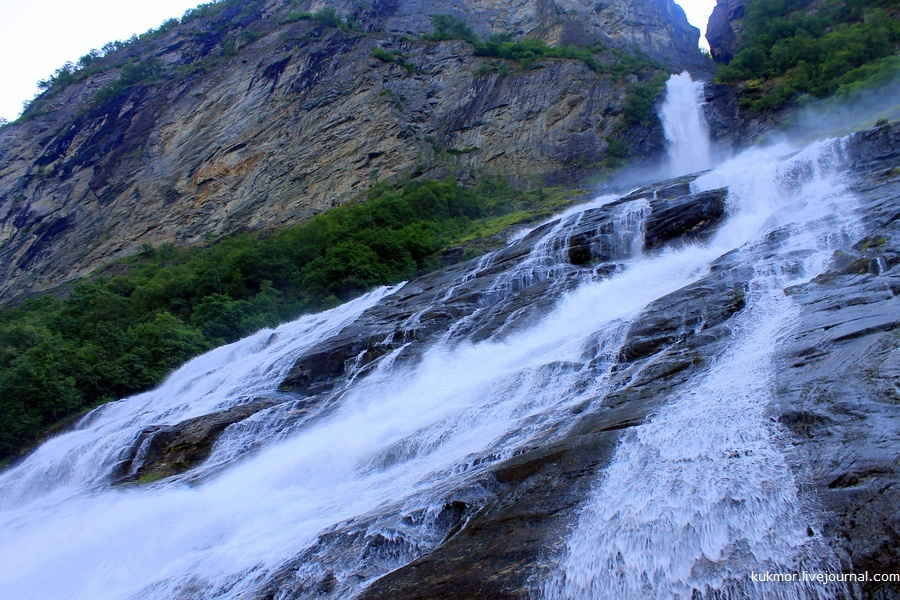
(327, 17)
(448, 27)
(642, 97)
(115, 336)
(795, 52)
(395, 57)
(529, 50)
(133, 72)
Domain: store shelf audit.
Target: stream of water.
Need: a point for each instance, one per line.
(694, 499)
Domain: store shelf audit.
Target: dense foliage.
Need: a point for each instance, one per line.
(789, 49)
(122, 332)
(529, 50)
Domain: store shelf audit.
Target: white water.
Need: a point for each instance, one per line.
(702, 495)
(694, 499)
(685, 126)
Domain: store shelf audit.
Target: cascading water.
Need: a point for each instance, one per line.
(685, 126)
(303, 500)
(701, 495)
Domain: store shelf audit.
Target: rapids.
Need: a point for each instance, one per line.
(393, 460)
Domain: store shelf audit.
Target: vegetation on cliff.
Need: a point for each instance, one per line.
(792, 49)
(136, 65)
(123, 331)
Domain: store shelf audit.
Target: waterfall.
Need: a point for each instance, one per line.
(685, 126)
(323, 495)
(701, 495)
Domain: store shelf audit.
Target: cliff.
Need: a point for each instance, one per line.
(253, 116)
(723, 32)
(779, 57)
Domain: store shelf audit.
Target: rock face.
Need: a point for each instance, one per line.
(595, 243)
(839, 372)
(244, 134)
(724, 29)
(657, 28)
(729, 128)
(836, 393)
(165, 451)
(510, 539)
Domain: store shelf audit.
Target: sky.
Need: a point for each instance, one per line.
(39, 36)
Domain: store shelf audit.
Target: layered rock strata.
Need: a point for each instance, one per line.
(258, 122)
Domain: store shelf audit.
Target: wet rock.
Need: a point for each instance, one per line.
(319, 369)
(522, 524)
(688, 218)
(713, 300)
(369, 546)
(663, 190)
(837, 394)
(875, 147)
(838, 373)
(173, 449)
(676, 215)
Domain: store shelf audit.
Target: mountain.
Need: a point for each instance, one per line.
(251, 116)
(683, 390)
(671, 393)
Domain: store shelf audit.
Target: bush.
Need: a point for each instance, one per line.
(116, 336)
(639, 104)
(133, 72)
(395, 57)
(327, 17)
(448, 27)
(529, 50)
(793, 52)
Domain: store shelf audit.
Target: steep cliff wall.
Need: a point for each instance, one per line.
(724, 29)
(657, 28)
(256, 120)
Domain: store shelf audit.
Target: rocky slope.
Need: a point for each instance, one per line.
(257, 120)
(503, 528)
(838, 376)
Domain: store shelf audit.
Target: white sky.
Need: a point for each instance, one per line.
(39, 36)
